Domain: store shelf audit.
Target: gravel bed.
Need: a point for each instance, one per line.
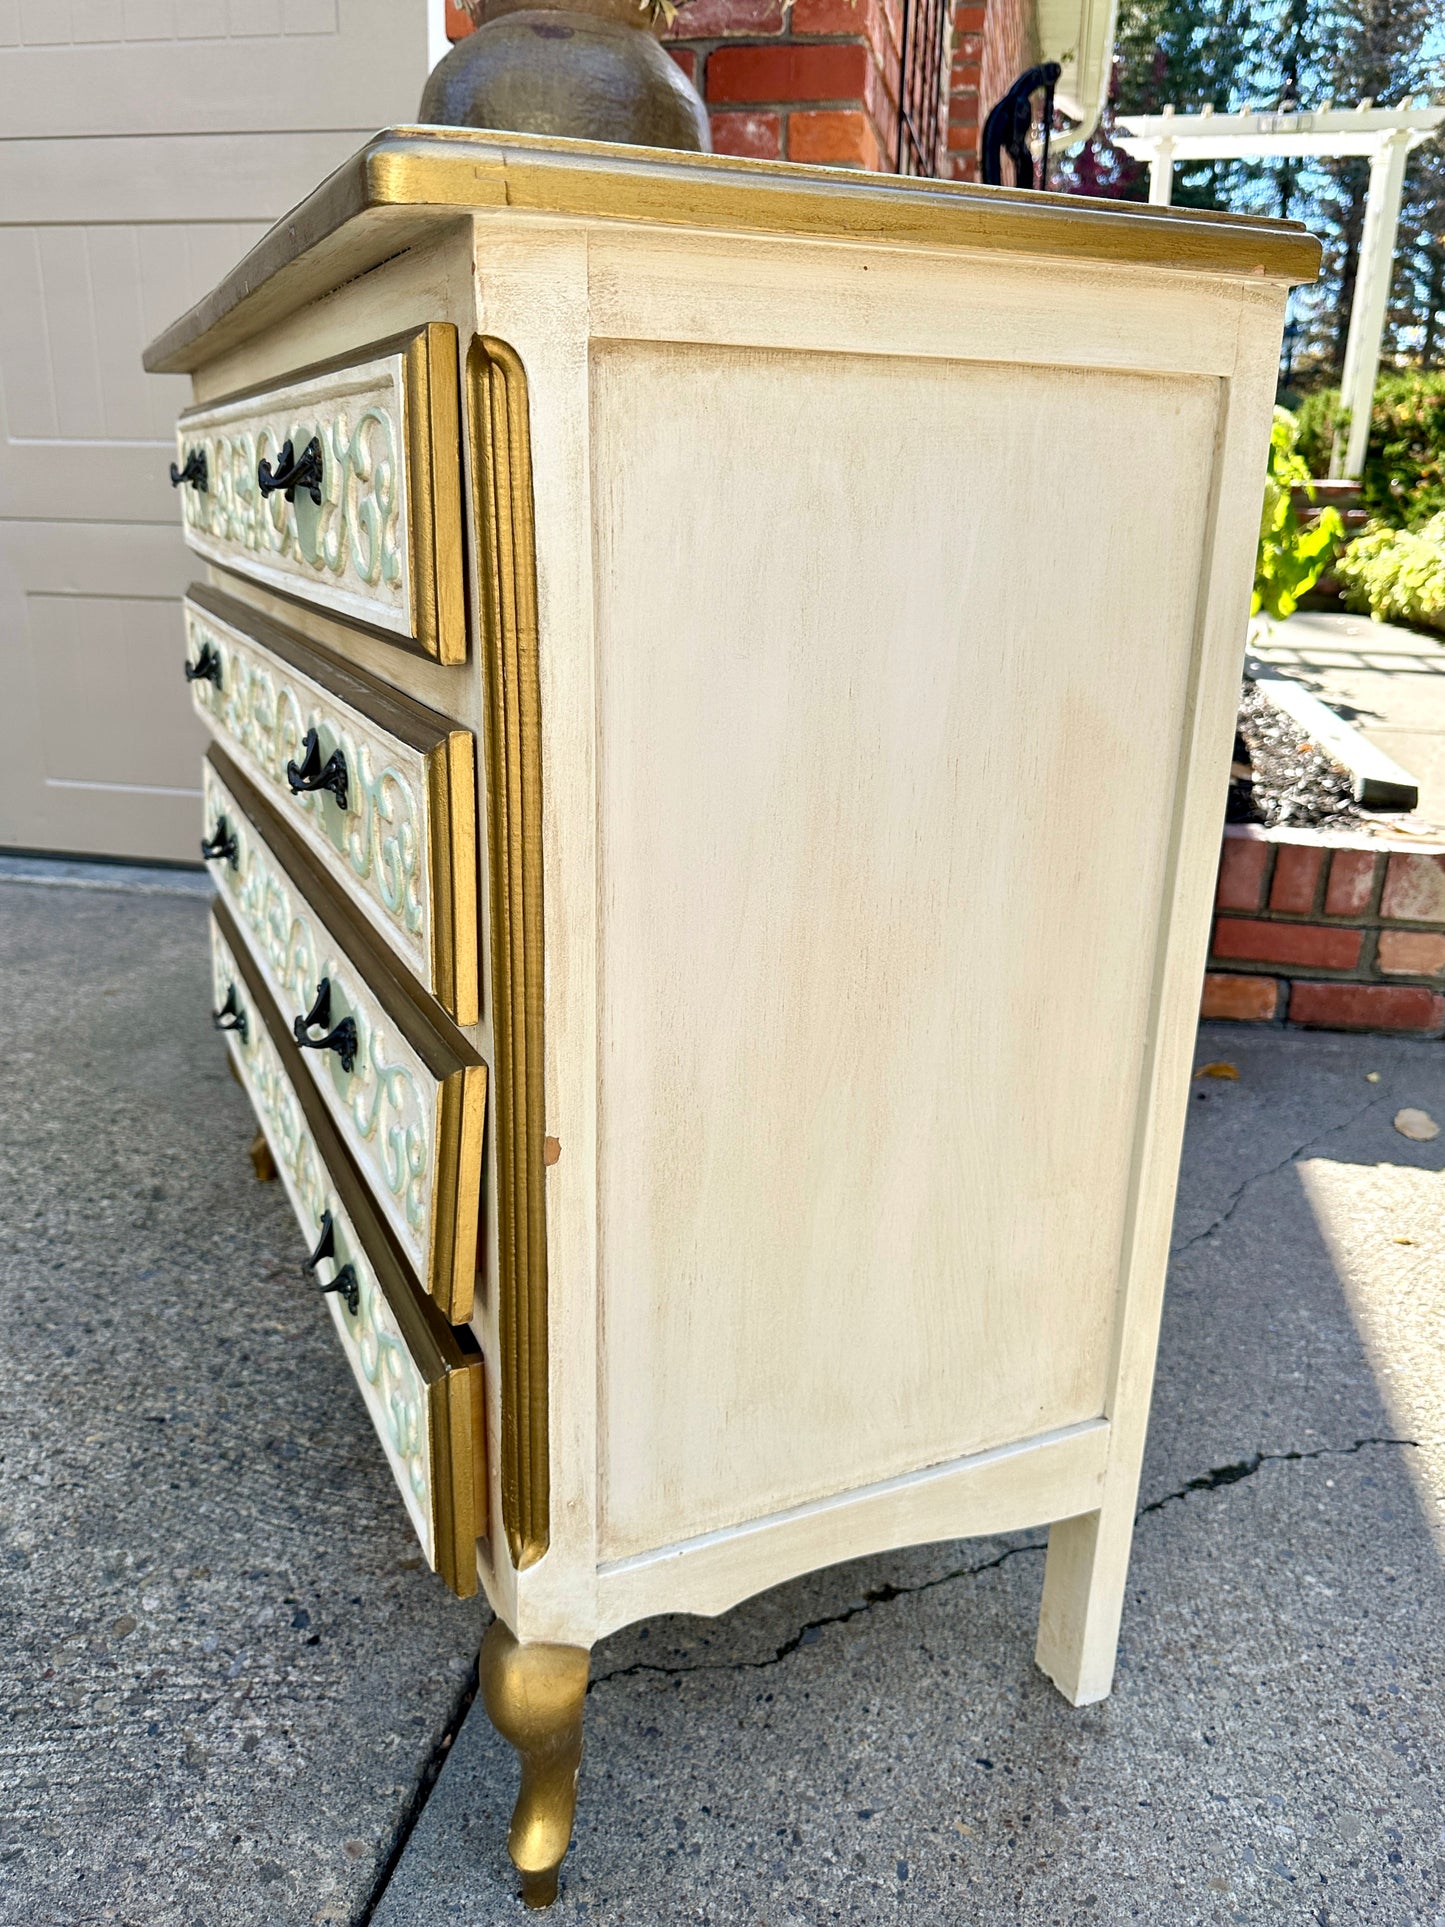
(1280, 777)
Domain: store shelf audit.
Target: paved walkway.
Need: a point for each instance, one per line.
(1388, 681)
(228, 1686)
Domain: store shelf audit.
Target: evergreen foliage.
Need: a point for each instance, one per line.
(1239, 57)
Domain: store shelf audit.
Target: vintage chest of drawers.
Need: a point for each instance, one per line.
(721, 680)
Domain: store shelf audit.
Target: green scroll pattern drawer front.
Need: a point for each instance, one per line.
(420, 1380)
(341, 486)
(381, 790)
(405, 1090)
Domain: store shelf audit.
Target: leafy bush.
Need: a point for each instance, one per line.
(1291, 557)
(1397, 574)
(1404, 479)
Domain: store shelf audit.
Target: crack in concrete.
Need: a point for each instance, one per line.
(1220, 1475)
(1211, 1481)
(1241, 1191)
(421, 1793)
(879, 1596)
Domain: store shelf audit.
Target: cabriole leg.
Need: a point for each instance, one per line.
(1083, 1602)
(534, 1697)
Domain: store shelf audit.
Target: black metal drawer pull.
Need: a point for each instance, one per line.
(342, 1039)
(230, 1016)
(349, 1285)
(291, 473)
(221, 845)
(194, 471)
(345, 1280)
(206, 667)
(312, 774)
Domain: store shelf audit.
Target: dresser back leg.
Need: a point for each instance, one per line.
(1084, 1577)
(534, 1696)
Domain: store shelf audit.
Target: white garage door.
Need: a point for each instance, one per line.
(146, 144)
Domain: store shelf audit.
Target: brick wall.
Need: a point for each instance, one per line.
(798, 80)
(993, 42)
(817, 80)
(1329, 932)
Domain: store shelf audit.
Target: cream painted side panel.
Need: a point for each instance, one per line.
(867, 1091)
(142, 151)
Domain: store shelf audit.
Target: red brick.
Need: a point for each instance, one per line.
(962, 136)
(1352, 883)
(459, 22)
(837, 137)
(1411, 953)
(1415, 889)
(1248, 1000)
(758, 136)
(1249, 939)
(686, 58)
(1296, 872)
(968, 50)
(969, 19)
(1367, 1007)
(717, 19)
(1241, 873)
(828, 16)
(837, 71)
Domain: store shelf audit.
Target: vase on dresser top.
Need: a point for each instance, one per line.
(589, 70)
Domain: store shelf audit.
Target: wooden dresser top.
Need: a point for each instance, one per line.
(407, 182)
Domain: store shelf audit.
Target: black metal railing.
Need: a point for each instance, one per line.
(922, 87)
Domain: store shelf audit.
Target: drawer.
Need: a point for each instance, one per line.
(370, 525)
(397, 826)
(404, 1088)
(421, 1381)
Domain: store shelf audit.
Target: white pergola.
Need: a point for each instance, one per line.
(1384, 134)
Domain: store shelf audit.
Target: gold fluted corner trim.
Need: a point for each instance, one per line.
(502, 470)
(534, 1696)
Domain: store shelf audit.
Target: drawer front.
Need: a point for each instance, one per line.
(420, 1380)
(406, 1092)
(403, 844)
(377, 441)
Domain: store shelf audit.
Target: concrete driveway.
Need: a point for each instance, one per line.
(230, 1692)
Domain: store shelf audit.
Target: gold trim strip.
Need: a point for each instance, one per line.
(502, 472)
(403, 174)
(433, 437)
(452, 806)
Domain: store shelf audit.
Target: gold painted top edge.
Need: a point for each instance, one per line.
(430, 171)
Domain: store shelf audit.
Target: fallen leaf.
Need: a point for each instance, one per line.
(1416, 1124)
(1372, 1077)
(1404, 1241)
(1218, 1070)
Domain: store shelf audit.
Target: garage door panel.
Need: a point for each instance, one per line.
(125, 196)
(126, 68)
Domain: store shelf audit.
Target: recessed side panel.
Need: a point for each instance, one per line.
(892, 662)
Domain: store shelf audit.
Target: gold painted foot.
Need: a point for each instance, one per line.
(533, 1696)
(262, 1161)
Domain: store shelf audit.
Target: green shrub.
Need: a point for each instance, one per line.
(1291, 558)
(1320, 420)
(1404, 479)
(1397, 574)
